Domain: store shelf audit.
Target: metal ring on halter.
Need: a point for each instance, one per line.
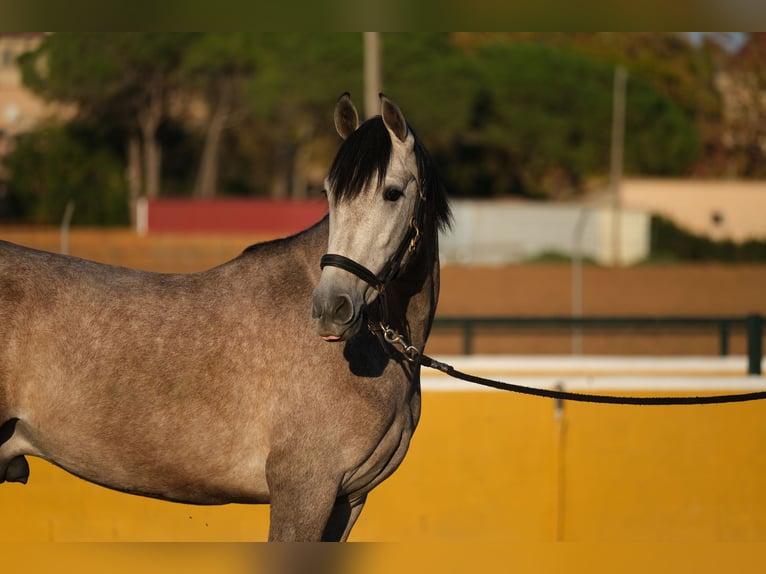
(391, 336)
(416, 237)
(411, 353)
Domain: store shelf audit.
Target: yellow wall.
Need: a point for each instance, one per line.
(491, 481)
(483, 466)
(492, 466)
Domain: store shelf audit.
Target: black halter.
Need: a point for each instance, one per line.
(393, 266)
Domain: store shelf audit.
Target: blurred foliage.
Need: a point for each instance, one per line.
(671, 243)
(524, 114)
(292, 97)
(106, 75)
(678, 70)
(537, 122)
(558, 257)
(58, 164)
(746, 137)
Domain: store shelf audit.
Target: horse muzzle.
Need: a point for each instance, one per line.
(335, 315)
(336, 312)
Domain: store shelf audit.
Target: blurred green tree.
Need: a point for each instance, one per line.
(668, 62)
(57, 164)
(300, 78)
(744, 85)
(526, 114)
(532, 119)
(123, 80)
(216, 68)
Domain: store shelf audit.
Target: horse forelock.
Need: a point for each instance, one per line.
(365, 155)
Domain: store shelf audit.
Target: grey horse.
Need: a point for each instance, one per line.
(263, 380)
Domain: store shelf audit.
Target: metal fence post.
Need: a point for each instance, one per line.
(468, 338)
(754, 345)
(723, 332)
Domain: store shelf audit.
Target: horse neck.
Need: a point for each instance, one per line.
(413, 296)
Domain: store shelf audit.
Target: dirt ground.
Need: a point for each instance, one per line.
(540, 290)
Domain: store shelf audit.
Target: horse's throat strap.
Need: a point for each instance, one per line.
(343, 262)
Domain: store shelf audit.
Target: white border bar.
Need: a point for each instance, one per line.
(600, 374)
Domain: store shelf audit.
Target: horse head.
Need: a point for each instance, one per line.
(375, 209)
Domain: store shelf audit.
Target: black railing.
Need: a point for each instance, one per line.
(753, 324)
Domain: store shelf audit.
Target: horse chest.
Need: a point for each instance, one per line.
(387, 454)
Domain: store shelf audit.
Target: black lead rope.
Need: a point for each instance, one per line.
(427, 361)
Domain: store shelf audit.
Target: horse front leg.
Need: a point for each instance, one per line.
(13, 465)
(299, 517)
(301, 501)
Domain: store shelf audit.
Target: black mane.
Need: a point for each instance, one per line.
(365, 155)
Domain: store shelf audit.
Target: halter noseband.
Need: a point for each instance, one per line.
(343, 262)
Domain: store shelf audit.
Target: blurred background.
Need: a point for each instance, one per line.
(590, 173)
(609, 192)
(107, 119)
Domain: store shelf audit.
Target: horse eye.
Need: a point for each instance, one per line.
(392, 193)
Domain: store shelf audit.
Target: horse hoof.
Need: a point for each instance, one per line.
(18, 470)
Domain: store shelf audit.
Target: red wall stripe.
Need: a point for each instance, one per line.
(233, 215)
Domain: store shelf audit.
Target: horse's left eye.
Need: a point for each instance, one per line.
(392, 193)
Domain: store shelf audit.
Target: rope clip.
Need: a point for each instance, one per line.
(393, 338)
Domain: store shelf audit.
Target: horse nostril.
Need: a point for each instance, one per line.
(337, 309)
(343, 309)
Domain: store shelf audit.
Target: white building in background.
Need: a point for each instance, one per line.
(501, 232)
(504, 232)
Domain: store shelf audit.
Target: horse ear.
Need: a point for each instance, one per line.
(393, 117)
(346, 116)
